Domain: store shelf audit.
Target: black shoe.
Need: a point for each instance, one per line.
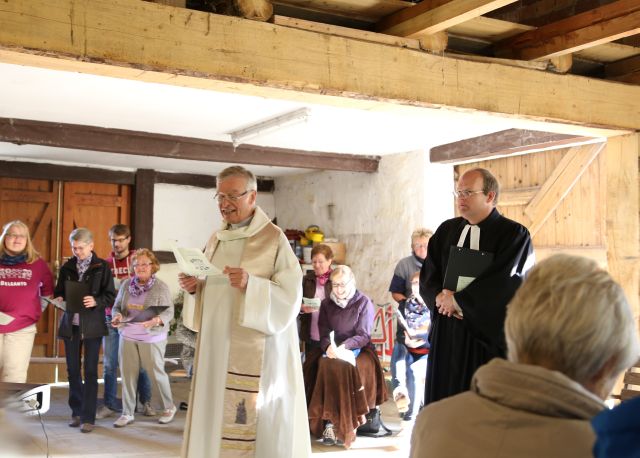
(75, 422)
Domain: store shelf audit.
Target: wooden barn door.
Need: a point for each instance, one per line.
(96, 206)
(559, 195)
(35, 202)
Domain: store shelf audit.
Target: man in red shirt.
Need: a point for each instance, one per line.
(120, 262)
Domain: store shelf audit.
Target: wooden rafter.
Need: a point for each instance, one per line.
(121, 141)
(594, 27)
(503, 143)
(434, 16)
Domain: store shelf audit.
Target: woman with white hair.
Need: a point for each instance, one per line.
(84, 330)
(343, 393)
(570, 333)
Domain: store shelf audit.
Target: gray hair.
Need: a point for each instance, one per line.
(343, 271)
(420, 233)
(489, 183)
(81, 234)
(239, 171)
(571, 316)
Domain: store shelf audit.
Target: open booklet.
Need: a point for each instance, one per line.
(313, 302)
(342, 353)
(192, 261)
(61, 305)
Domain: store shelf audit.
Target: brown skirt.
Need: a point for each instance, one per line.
(340, 396)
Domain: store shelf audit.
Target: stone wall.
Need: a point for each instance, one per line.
(373, 214)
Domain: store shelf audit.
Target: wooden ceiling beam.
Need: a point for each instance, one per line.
(503, 143)
(585, 30)
(431, 16)
(119, 141)
(143, 42)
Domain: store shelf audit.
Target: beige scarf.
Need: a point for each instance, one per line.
(246, 350)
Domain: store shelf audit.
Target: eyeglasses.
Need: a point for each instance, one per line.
(16, 236)
(340, 285)
(230, 198)
(420, 245)
(120, 240)
(141, 265)
(465, 194)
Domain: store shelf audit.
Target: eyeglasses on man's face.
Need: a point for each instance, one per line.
(119, 240)
(230, 197)
(465, 193)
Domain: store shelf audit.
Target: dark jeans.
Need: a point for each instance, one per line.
(82, 396)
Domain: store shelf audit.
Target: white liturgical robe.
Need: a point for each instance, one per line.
(269, 306)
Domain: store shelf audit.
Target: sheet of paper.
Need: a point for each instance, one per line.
(5, 319)
(463, 282)
(192, 262)
(342, 353)
(312, 302)
(61, 305)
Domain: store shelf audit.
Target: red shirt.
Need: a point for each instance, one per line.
(121, 270)
(20, 289)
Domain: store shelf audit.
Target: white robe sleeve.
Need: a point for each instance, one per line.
(270, 306)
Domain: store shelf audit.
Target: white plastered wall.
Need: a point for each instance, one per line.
(373, 214)
(189, 215)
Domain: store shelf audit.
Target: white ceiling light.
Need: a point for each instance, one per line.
(295, 117)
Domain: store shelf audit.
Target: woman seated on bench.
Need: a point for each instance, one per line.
(344, 394)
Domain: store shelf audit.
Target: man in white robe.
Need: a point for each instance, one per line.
(247, 395)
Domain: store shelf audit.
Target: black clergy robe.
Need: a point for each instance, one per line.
(459, 347)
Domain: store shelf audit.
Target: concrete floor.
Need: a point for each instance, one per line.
(24, 436)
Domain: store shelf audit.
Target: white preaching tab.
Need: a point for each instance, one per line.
(192, 262)
(5, 319)
(474, 243)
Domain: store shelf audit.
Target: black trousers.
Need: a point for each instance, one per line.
(83, 396)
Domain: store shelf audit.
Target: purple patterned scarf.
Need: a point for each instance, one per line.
(136, 288)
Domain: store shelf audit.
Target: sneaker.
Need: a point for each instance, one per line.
(401, 398)
(104, 412)
(148, 411)
(329, 435)
(86, 428)
(123, 421)
(75, 422)
(167, 415)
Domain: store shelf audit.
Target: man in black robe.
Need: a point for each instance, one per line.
(467, 325)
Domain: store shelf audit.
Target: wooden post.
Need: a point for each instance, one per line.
(143, 209)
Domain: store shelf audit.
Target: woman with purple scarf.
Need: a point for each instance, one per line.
(84, 330)
(143, 311)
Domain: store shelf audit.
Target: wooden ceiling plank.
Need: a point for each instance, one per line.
(567, 173)
(128, 39)
(430, 17)
(592, 28)
(503, 143)
(346, 32)
(121, 141)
